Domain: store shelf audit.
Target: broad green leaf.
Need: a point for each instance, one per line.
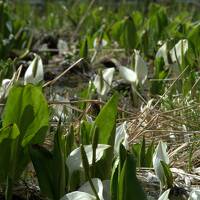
(165, 195)
(129, 186)
(129, 37)
(8, 136)
(77, 195)
(27, 108)
(128, 74)
(160, 154)
(193, 38)
(42, 161)
(106, 121)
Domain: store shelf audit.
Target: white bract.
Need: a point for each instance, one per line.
(121, 136)
(165, 195)
(128, 74)
(179, 50)
(160, 155)
(162, 52)
(34, 74)
(99, 44)
(5, 87)
(62, 47)
(86, 187)
(77, 195)
(74, 160)
(103, 86)
(194, 194)
(85, 192)
(141, 69)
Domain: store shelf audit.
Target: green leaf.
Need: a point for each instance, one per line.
(43, 164)
(168, 174)
(106, 123)
(129, 37)
(129, 186)
(142, 154)
(136, 148)
(59, 163)
(28, 110)
(85, 132)
(27, 107)
(193, 38)
(149, 155)
(84, 49)
(114, 180)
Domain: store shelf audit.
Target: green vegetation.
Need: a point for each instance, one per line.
(99, 100)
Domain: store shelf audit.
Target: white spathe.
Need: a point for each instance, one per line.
(74, 160)
(165, 195)
(121, 135)
(160, 154)
(128, 74)
(99, 44)
(35, 73)
(141, 69)
(162, 52)
(77, 195)
(103, 86)
(86, 187)
(179, 50)
(194, 194)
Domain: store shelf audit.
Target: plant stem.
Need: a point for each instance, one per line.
(8, 192)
